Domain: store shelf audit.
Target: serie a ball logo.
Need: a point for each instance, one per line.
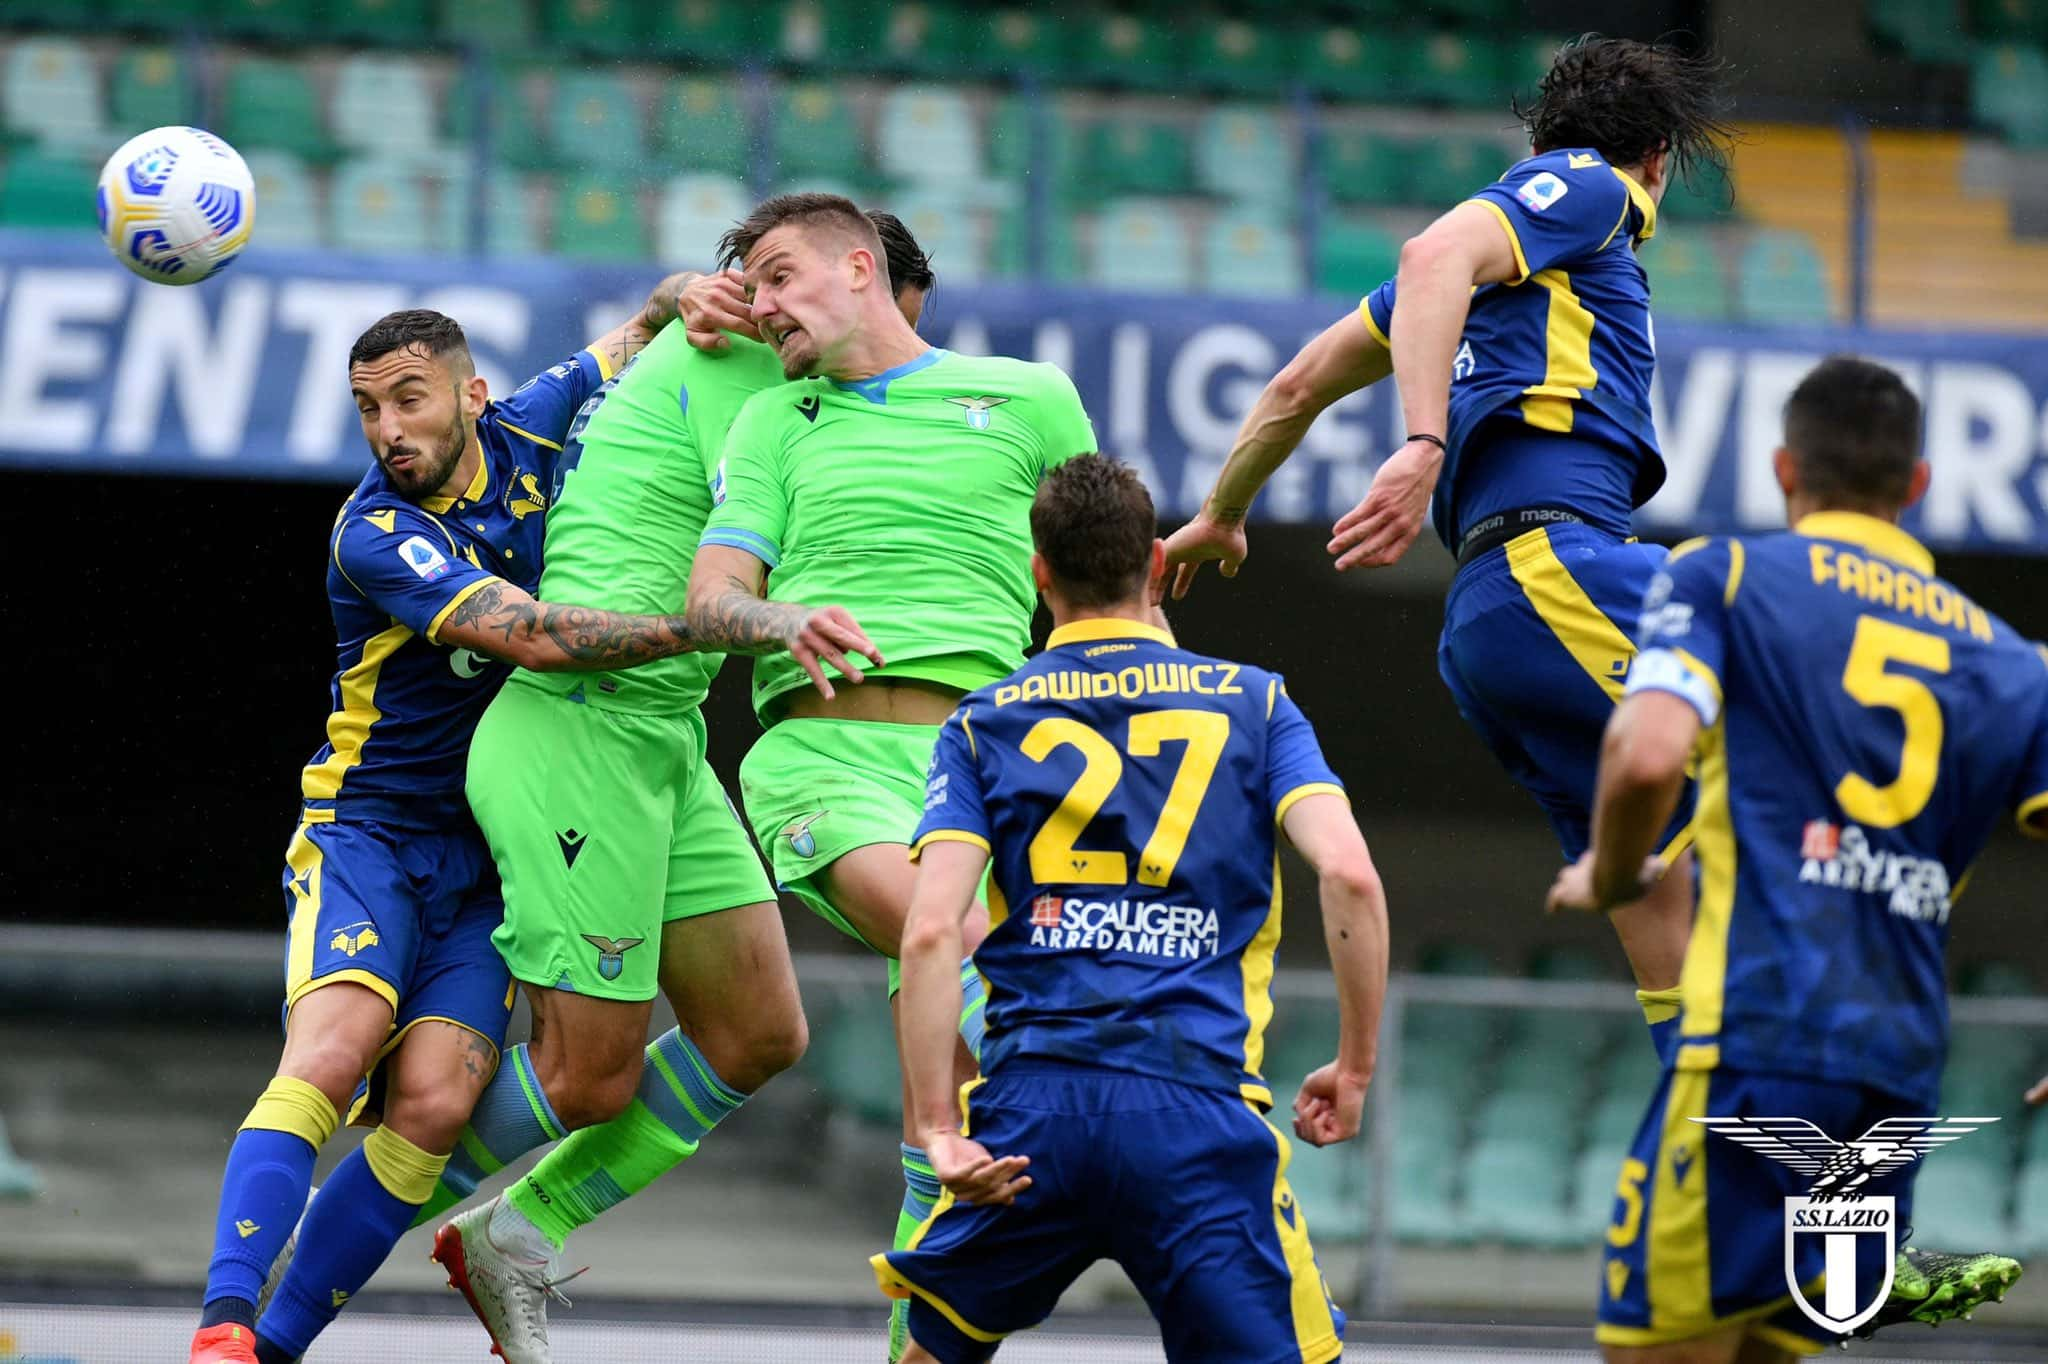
(176, 204)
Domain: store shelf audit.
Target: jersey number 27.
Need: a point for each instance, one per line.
(1054, 858)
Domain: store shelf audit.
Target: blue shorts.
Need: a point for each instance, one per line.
(408, 913)
(1537, 640)
(1696, 1243)
(1185, 1188)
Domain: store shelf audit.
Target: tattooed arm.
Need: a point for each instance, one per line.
(726, 613)
(503, 622)
(624, 341)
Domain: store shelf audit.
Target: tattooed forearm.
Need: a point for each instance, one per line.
(624, 342)
(737, 621)
(503, 622)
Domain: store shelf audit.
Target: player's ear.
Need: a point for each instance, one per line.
(1041, 574)
(1156, 570)
(1916, 486)
(861, 263)
(475, 393)
(1787, 470)
(1655, 167)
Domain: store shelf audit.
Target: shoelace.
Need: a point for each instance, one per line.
(551, 1287)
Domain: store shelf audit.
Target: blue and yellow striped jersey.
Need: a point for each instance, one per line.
(404, 706)
(1129, 793)
(1867, 724)
(1563, 347)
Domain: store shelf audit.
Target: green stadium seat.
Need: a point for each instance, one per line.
(1960, 1202)
(596, 121)
(1515, 1192)
(853, 1061)
(1579, 1037)
(1248, 252)
(290, 21)
(1134, 155)
(1449, 170)
(817, 135)
(46, 189)
(726, 32)
(500, 25)
(512, 214)
(918, 38)
(1451, 68)
(701, 126)
(1686, 278)
(2009, 93)
(1018, 42)
(394, 23)
(1135, 51)
(1544, 1117)
(2035, 1143)
(1354, 257)
(1246, 152)
(1012, 153)
(51, 95)
(270, 103)
(1524, 62)
(598, 217)
(1706, 193)
(1995, 979)
(1594, 1176)
(2030, 1209)
(695, 211)
(1486, 15)
(950, 230)
(155, 16)
(1925, 30)
(287, 206)
(1631, 1071)
(1010, 249)
(1780, 280)
(1352, 63)
(1616, 1117)
(2019, 21)
(152, 86)
(606, 27)
(1328, 1192)
(1142, 245)
(382, 104)
(382, 206)
(516, 138)
(928, 134)
(1358, 166)
(1240, 58)
(824, 34)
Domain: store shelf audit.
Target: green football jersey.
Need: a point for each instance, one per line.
(906, 499)
(632, 493)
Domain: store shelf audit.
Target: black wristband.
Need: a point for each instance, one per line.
(1437, 441)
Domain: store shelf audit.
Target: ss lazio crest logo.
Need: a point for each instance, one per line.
(978, 410)
(611, 953)
(1833, 1207)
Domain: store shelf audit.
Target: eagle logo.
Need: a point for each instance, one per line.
(1839, 1169)
(611, 953)
(801, 840)
(354, 938)
(978, 410)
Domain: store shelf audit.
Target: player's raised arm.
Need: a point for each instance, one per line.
(1467, 247)
(502, 621)
(1332, 1099)
(662, 307)
(1343, 359)
(727, 614)
(712, 305)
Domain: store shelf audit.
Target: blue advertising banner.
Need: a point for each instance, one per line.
(245, 377)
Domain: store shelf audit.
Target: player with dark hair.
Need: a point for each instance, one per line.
(1126, 797)
(627, 873)
(1518, 330)
(392, 897)
(913, 469)
(1859, 726)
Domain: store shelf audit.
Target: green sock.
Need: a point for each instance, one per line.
(679, 1101)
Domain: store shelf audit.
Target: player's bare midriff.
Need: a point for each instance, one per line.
(890, 700)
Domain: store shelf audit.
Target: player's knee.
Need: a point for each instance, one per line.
(594, 1096)
(778, 1043)
(431, 1118)
(332, 1067)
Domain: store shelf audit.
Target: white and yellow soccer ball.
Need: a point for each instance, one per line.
(176, 204)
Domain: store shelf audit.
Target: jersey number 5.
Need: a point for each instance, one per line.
(1054, 858)
(1877, 643)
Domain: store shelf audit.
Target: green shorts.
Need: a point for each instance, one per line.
(817, 789)
(605, 824)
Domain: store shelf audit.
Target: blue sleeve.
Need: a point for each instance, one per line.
(1378, 312)
(2030, 799)
(1295, 766)
(1557, 210)
(953, 808)
(543, 407)
(1682, 638)
(405, 564)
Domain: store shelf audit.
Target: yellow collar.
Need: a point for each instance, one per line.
(479, 484)
(1107, 627)
(1643, 202)
(1879, 537)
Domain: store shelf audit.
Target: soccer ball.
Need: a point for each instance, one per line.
(176, 204)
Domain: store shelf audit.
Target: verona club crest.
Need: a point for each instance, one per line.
(1835, 1209)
